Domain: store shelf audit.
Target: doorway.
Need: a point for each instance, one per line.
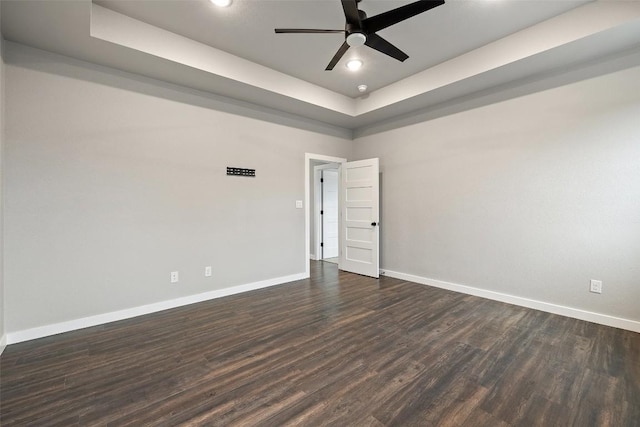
(358, 213)
(310, 162)
(326, 212)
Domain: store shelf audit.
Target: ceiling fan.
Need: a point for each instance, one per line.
(361, 30)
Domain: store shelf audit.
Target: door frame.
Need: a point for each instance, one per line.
(308, 158)
(318, 205)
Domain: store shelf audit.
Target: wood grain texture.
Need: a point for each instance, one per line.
(337, 349)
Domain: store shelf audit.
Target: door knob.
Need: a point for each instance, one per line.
(373, 224)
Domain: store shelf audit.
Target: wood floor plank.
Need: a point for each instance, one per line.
(336, 349)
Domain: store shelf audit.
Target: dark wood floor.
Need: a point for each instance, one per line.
(339, 350)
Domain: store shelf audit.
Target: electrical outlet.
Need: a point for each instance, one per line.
(207, 271)
(298, 204)
(596, 286)
(174, 277)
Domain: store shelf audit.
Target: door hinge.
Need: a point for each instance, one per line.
(321, 245)
(321, 179)
(321, 212)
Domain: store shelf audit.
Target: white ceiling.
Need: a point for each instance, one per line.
(458, 52)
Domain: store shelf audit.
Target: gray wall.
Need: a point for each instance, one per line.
(531, 197)
(113, 181)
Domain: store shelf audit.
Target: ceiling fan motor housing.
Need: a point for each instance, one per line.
(356, 36)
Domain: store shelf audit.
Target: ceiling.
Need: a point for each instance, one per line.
(457, 51)
(246, 29)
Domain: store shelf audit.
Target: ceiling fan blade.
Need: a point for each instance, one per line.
(376, 42)
(343, 49)
(351, 13)
(306, 31)
(387, 19)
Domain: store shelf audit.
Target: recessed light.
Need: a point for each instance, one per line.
(362, 88)
(222, 3)
(354, 64)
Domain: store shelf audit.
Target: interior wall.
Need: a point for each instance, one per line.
(531, 197)
(114, 180)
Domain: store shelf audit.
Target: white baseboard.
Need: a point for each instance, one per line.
(86, 322)
(313, 257)
(589, 316)
(3, 343)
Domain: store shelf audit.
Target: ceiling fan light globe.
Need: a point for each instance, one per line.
(356, 39)
(222, 3)
(354, 64)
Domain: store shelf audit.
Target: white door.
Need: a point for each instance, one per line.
(360, 210)
(330, 247)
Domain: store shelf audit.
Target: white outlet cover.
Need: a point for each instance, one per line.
(207, 271)
(298, 204)
(596, 286)
(174, 277)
